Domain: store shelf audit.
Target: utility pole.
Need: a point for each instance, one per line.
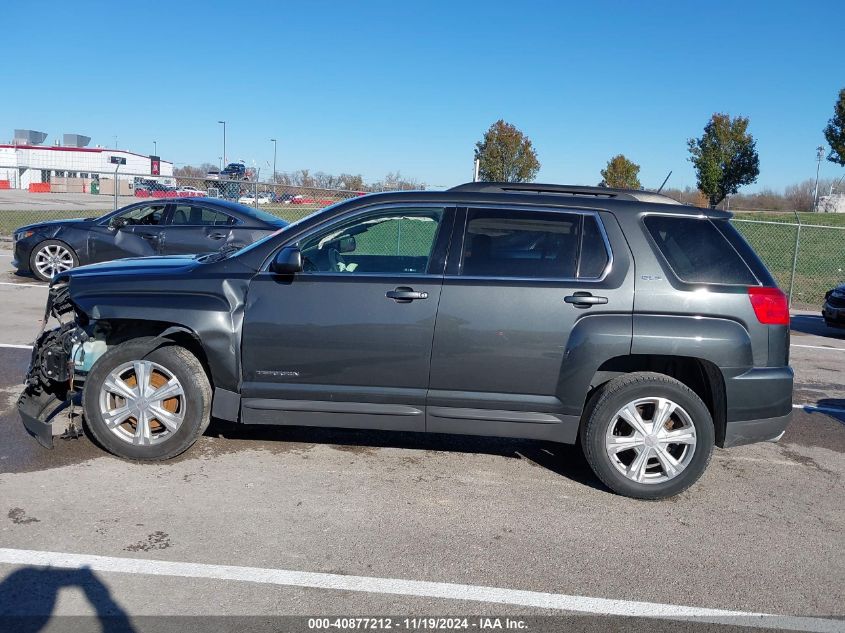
(155, 148)
(274, 159)
(224, 141)
(475, 170)
(819, 156)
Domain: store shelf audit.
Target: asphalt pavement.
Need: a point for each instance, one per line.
(265, 521)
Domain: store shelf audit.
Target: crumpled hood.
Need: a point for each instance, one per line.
(52, 224)
(121, 268)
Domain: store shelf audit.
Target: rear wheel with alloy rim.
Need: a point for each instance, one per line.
(50, 258)
(147, 405)
(648, 436)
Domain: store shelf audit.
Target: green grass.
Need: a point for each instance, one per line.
(820, 265)
(821, 254)
(13, 219)
(814, 219)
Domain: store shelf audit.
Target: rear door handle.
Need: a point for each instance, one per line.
(584, 300)
(217, 236)
(403, 294)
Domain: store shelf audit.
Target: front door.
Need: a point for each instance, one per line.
(132, 232)
(528, 298)
(347, 342)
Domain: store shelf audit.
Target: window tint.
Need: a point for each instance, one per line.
(697, 252)
(530, 244)
(390, 242)
(193, 215)
(594, 256)
(152, 214)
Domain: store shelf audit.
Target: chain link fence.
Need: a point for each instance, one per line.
(94, 193)
(804, 251)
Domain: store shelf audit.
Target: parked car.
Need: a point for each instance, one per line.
(644, 330)
(234, 171)
(264, 197)
(213, 174)
(833, 309)
(178, 225)
(191, 192)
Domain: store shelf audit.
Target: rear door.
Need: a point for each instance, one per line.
(531, 300)
(196, 228)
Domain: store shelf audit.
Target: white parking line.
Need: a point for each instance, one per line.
(417, 588)
(14, 346)
(813, 408)
(11, 283)
(833, 349)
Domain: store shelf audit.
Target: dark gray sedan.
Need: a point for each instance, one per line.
(154, 227)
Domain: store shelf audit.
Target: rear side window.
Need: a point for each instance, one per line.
(697, 251)
(594, 256)
(532, 245)
(193, 215)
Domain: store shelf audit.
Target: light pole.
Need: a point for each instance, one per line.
(819, 156)
(274, 159)
(155, 148)
(224, 140)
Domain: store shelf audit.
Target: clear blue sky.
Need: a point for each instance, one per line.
(371, 87)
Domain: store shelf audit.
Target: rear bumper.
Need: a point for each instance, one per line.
(751, 431)
(759, 405)
(833, 315)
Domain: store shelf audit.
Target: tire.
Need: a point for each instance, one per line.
(184, 415)
(613, 447)
(50, 257)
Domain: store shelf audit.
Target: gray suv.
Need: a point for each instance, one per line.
(644, 330)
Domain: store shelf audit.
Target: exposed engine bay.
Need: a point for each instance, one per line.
(61, 357)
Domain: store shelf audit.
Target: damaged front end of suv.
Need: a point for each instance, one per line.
(60, 359)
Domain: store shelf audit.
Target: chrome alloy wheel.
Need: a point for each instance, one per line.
(651, 440)
(53, 259)
(142, 402)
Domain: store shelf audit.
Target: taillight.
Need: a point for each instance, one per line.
(770, 305)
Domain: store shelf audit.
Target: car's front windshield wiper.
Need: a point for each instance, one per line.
(222, 253)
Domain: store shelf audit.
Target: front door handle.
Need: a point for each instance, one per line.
(403, 294)
(584, 300)
(150, 237)
(217, 236)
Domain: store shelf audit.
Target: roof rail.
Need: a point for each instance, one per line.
(566, 190)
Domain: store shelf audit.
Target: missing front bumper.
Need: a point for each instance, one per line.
(50, 385)
(39, 413)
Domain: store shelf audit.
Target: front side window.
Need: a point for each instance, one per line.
(697, 252)
(398, 241)
(151, 214)
(194, 215)
(533, 245)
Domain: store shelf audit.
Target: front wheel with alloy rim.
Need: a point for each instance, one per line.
(647, 436)
(147, 405)
(50, 258)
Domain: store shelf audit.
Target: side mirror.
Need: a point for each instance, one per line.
(287, 261)
(118, 223)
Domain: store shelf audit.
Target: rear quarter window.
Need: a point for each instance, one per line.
(697, 252)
